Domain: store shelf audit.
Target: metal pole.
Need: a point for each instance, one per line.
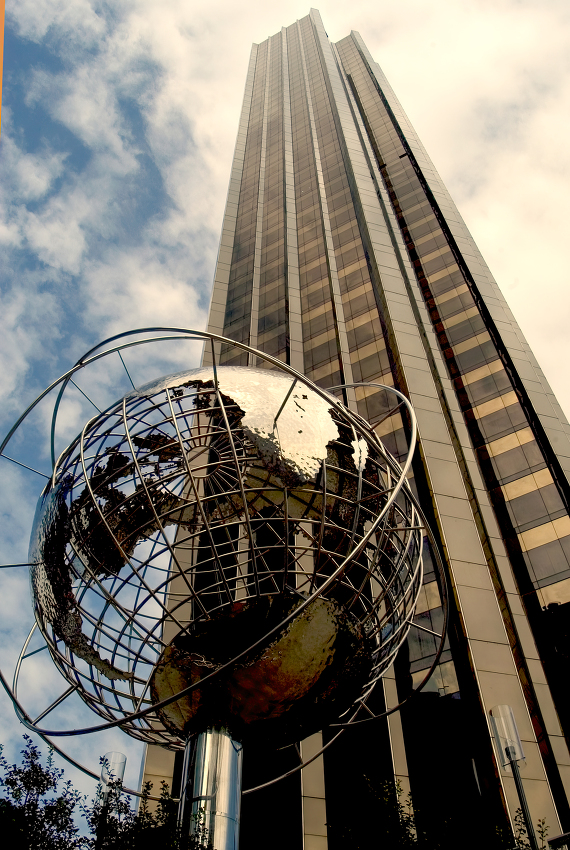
(102, 827)
(510, 752)
(211, 789)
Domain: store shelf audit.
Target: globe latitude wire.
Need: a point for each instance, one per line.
(186, 497)
(119, 344)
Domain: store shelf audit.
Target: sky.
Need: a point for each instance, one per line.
(118, 127)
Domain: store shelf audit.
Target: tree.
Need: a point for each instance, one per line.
(114, 824)
(30, 819)
(36, 815)
(397, 828)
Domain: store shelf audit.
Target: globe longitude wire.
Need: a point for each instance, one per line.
(173, 507)
(147, 445)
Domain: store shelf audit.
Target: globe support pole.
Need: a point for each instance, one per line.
(211, 789)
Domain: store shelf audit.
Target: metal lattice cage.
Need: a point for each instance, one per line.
(201, 491)
(206, 527)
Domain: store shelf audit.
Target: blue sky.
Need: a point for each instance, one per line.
(119, 122)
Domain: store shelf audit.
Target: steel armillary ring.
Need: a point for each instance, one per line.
(222, 489)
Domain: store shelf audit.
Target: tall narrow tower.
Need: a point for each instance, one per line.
(343, 254)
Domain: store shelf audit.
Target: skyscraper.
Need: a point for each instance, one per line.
(343, 254)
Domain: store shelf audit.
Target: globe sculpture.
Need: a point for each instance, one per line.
(224, 555)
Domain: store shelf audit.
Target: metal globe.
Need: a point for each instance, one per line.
(233, 534)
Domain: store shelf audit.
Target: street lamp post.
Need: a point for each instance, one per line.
(112, 770)
(509, 748)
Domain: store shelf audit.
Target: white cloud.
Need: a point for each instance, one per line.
(85, 102)
(74, 21)
(151, 291)
(25, 315)
(32, 175)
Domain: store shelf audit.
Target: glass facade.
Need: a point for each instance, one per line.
(343, 255)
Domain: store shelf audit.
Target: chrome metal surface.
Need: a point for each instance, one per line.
(224, 481)
(211, 782)
(107, 642)
(112, 770)
(508, 742)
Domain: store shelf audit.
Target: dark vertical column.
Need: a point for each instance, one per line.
(238, 305)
